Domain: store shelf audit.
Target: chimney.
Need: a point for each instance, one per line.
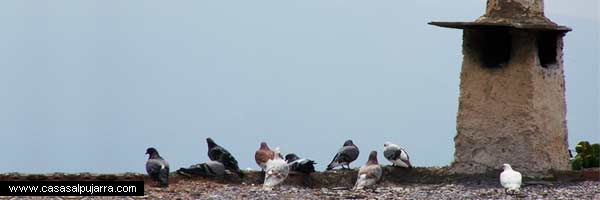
(512, 105)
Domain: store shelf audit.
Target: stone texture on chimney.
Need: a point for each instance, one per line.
(513, 113)
(514, 8)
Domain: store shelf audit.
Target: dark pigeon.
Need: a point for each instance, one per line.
(300, 164)
(210, 169)
(220, 154)
(157, 167)
(348, 153)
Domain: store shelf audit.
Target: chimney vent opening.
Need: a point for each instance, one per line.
(547, 48)
(491, 46)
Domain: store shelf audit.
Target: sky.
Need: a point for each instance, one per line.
(89, 85)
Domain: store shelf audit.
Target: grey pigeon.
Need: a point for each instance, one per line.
(369, 174)
(348, 153)
(396, 155)
(210, 169)
(300, 164)
(220, 154)
(157, 167)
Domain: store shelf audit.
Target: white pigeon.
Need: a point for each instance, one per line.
(396, 155)
(276, 171)
(510, 179)
(369, 174)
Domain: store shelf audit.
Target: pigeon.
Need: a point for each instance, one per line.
(300, 164)
(510, 179)
(276, 171)
(348, 153)
(220, 154)
(157, 167)
(262, 155)
(210, 169)
(369, 174)
(396, 155)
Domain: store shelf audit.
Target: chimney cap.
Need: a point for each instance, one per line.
(517, 14)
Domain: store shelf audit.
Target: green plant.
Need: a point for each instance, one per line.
(588, 156)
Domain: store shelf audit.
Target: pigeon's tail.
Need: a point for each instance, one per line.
(163, 178)
(332, 165)
(272, 179)
(408, 163)
(360, 182)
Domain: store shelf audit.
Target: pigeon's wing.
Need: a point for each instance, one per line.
(294, 165)
(154, 166)
(277, 171)
(229, 161)
(377, 172)
(336, 157)
(348, 154)
(307, 166)
(368, 175)
(304, 161)
(373, 171)
(334, 162)
(518, 178)
(404, 157)
(302, 165)
(215, 168)
(391, 153)
(513, 179)
(197, 169)
(163, 176)
(504, 179)
(208, 169)
(215, 153)
(360, 182)
(510, 179)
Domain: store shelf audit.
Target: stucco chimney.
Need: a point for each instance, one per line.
(512, 105)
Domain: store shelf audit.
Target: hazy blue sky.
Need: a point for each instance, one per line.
(89, 85)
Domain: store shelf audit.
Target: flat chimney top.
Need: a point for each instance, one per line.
(519, 14)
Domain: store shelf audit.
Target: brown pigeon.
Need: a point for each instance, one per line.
(262, 155)
(369, 174)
